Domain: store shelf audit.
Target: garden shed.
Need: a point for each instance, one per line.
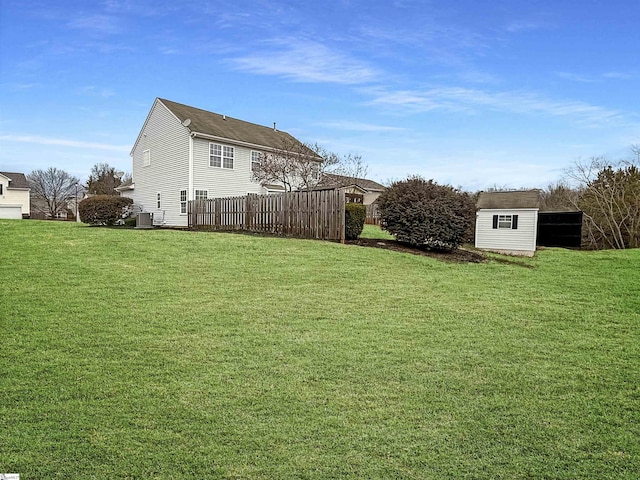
(507, 222)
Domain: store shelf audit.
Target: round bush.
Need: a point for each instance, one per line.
(104, 209)
(422, 213)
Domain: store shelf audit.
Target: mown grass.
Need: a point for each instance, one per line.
(166, 354)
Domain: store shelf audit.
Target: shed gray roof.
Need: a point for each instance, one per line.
(218, 125)
(508, 200)
(333, 180)
(18, 180)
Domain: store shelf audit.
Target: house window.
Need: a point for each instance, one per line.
(507, 222)
(158, 200)
(220, 156)
(202, 194)
(146, 157)
(255, 160)
(1, 186)
(315, 172)
(183, 201)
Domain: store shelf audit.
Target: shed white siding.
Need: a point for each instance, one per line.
(519, 241)
(164, 141)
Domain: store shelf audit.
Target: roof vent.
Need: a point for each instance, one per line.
(224, 117)
(274, 127)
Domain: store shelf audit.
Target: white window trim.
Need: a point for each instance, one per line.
(259, 155)
(223, 156)
(502, 222)
(146, 157)
(184, 202)
(195, 194)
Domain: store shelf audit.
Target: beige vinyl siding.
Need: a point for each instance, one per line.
(14, 197)
(167, 142)
(522, 239)
(219, 181)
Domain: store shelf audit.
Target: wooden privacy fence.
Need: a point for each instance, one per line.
(373, 215)
(313, 214)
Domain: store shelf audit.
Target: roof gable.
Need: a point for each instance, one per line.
(509, 200)
(18, 180)
(204, 122)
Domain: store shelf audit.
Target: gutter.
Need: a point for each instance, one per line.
(240, 143)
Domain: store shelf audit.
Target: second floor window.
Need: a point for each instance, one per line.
(220, 156)
(255, 160)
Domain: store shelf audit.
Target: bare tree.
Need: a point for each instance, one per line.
(103, 180)
(608, 193)
(293, 164)
(558, 197)
(350, 166)
(52, 189)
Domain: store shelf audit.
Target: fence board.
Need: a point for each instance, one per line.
(314, 214)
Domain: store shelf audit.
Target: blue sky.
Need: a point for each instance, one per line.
(471, 93)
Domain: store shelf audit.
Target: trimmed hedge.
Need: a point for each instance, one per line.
(355, 216)
(103, 209)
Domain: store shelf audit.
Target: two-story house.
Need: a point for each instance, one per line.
(15, 195)
(184, 153)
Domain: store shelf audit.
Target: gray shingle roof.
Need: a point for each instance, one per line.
(210, 123)
(18, 180)
(507, 200)
(333, 180)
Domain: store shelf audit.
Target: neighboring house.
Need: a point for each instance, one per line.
(184, 153)
(368, 188)
(506, 222)
(15, 201)
(67, 207)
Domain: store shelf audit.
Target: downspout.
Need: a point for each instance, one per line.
(190, 195)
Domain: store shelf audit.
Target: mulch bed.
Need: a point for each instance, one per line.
(458, 256)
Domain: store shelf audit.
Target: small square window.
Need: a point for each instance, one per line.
(504, 221)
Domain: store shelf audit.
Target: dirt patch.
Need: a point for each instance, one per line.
(457, 256)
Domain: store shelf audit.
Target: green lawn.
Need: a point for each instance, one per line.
(168, 354)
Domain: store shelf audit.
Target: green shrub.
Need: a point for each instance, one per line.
(355, 215)
(104, 209)
(423, 213)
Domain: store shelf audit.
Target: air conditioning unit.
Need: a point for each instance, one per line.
(144, 220)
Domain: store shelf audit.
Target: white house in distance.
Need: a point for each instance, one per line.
(184, 153)
(507, 222)
(15, 195)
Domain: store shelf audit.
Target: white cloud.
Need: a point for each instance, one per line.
(359, 127)
(526, 26)
(63, 142)
(306, 61)
(471, 100)
(105, 24)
